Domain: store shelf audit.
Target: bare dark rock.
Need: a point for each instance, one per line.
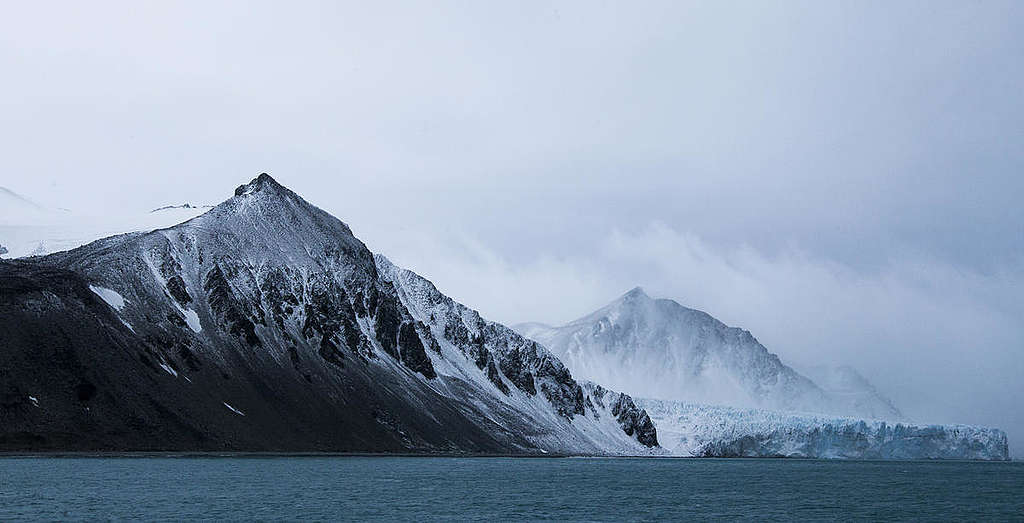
(177, 290)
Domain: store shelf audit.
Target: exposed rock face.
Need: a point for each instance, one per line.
(632, 419)
(510, 360)
(264, 324)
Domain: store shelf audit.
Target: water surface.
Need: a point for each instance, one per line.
(567, 489)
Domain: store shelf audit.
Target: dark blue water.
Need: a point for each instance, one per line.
(407, 488)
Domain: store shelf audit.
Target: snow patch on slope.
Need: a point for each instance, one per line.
(110, 296)
(192, 319)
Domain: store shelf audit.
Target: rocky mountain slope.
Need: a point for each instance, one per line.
(264, 324)
(660, 349)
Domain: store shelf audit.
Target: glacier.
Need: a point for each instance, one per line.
(688, 429)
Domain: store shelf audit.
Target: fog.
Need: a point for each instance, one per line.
(841, 179)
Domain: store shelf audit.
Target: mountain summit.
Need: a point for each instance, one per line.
(265, 324)
(262, 182)
(657, 348)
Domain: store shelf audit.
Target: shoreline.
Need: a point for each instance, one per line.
(271, 454)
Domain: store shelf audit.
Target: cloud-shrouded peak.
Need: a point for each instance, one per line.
(661, 349)
(636, 293)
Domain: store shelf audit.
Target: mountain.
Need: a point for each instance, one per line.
(185, 205)
(659, 349)
(851, 390)
(13, 204)
(264, 324)
(30, 229)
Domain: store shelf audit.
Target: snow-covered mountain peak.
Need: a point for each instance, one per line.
(266, 202)
(266, 228)
(636, 314)
(263, 182)
(660, 349)
(635, 299)
(636, 293)
(264, 189)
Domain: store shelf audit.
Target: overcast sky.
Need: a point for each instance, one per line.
(842, 179)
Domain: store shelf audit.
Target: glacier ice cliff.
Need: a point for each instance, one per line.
(687, 429)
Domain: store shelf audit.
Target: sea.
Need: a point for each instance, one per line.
(372, 488)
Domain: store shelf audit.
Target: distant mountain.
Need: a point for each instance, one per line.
(660, 349)
(28, 228)
(264, 324)
(15, 208)
(185, 205)
(853, 392)
(11, 198)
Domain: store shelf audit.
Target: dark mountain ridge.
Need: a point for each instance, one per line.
(265, 325)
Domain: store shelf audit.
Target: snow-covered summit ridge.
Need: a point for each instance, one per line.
(658, 348)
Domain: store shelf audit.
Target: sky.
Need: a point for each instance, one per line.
(843, 179)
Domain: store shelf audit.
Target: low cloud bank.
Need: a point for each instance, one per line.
(947, 344)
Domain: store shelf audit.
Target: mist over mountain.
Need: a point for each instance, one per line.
(656, 348)
(28, 228)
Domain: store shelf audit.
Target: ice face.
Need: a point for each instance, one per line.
(688, 429)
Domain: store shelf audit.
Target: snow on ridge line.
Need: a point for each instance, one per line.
(110, 296)
(129, 325)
